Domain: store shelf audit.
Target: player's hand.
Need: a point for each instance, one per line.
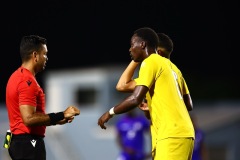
(103, 119)
(70, 112)
(143, 106)
(64, 121)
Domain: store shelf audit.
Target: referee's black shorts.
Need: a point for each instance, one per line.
(27, 147)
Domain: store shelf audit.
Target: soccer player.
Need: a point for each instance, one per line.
(172, 126)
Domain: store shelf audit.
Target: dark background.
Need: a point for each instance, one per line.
(93, 33)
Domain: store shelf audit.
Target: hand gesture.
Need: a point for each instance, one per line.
(71, 111)
(103, 119)
(64, 121)
(143, 106)
(69, 114)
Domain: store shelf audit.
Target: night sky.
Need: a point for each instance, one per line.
(93, 33)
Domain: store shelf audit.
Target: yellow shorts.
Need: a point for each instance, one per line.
(173, 149)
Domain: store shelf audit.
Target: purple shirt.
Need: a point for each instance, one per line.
(131, 130)
(199, 137)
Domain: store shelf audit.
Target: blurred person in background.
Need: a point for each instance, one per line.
(200, 151)
(25, 102)
(131, 129)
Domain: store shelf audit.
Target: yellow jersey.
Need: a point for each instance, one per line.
(169, 115)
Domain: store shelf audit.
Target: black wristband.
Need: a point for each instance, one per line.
(55, 117)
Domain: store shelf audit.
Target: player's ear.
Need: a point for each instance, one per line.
(143, 44)
(35, 56)
(159, 52)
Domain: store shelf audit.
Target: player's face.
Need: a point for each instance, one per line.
(136, 48)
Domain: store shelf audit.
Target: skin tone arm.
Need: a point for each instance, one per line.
(32, 118)
(126, 105)
(125, 82)
(188, 101)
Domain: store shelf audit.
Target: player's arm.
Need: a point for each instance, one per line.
(126, 105)
(188, 102)
(32, 118)
(126, 82)
(186, 96)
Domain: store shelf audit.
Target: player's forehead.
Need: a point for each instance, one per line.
(136, 39)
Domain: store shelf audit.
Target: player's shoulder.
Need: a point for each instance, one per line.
(155, 58)
(175, 67)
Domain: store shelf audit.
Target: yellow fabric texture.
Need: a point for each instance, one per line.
(168, 112)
